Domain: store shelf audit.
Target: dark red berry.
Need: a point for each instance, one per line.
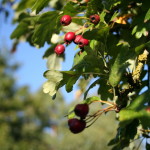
(59, 49)
(77, 39)
(65, 20)
(81, 110)
(76, 125)
(95, 19)
(83, 42)
(69, 37)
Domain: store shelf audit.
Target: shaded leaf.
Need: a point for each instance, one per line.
(71, 9)
(105, 90)
(39, 5)
(71, 82)
(24, 4)
(46, 26)
(120, 65)
(138, 103)
(23, 27)
(97, 34)
(127, 115)
(141, 47)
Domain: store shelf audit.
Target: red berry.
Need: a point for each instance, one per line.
(95, 19)
(59, 49)
(83, 42)
(77, 39)
(65, 20)
(81, 110)
(76, 125)
(69, 37)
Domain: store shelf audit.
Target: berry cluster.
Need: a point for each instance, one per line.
(81, 111)
(78, 125)
(71, 37)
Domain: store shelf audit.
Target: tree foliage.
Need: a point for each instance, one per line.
(116, 60)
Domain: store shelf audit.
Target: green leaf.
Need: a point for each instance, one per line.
(114, 16)
(136, 109)
(139, 102)
(97, 34)
(134, 30)
(49, 87)
(127, 115)
(147, 16)
(78, 58)
(102, 16)
(39, 5)
(54, 62)
(91, 99)
(20, 30)
(120, 65)
(23, 27)
(46, 25)
(89, 62)
(54, 77)
(141, 47)
(93, 6)
(71, 113)
(25, 4)
(71, 82)
(49, 51)
(103, 90)
(70, 73)
(71, 9)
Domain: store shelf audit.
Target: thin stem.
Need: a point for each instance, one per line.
(143, 130)
(69, 113)
(94, 73)
(105, 102)
(80, 18)
(105, 63)
(93, 121)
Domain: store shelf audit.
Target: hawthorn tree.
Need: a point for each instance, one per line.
(112, 41)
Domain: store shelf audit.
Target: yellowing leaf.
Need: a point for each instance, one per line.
(122, 19)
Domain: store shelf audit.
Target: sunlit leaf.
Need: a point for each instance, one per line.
(120, 64)
(91, 99)
(147, 16)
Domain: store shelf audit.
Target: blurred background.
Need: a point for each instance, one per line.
(30, 119)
